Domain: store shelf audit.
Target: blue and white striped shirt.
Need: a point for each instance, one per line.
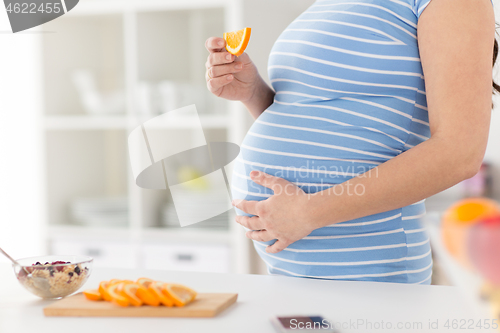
(350, 95)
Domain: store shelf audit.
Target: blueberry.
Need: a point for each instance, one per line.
(51, 270)
(70, 273)
(77, 270)
(37, 263)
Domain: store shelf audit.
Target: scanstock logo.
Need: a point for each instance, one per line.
(26, 14)
(171, 152)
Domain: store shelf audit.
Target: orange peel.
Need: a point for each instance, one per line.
(179, 294)
(116, 296)
(144, 281)
(92, 295)
(103, 290)
(129, 291)
(237, 41)
(156, 289)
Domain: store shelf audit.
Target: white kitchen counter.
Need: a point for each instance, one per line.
(260, 297)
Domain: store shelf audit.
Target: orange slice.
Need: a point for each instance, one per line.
(144, 282)
(237, 41)
(113, 281)
(156, 289)
(130, 292)
(147, 297)
(116, 297)
(103, 290)
(123, 283)
(92, 294)
(179, 294)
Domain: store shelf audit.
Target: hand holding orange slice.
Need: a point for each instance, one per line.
(237, 41)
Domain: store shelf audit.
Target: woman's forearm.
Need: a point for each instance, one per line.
(262, 97)
(416, 174)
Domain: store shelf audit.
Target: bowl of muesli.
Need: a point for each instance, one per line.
(53, 276)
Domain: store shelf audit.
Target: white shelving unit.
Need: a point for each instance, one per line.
(124, 43)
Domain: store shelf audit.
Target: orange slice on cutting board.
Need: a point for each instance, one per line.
(103, 290)
(156, 289)
(147, 297)
(144, 281)
(129, 291)
(116, 296)
(237, 41)
(92, 295)
(179, 294)
(144, 291)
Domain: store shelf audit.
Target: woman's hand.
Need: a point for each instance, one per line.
(228, 76)
(287, 216)
(236, 78)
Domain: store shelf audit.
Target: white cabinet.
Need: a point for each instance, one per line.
(106, 254)
(187, 257)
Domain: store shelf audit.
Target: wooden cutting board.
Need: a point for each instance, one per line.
(205, 305)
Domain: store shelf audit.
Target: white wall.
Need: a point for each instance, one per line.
(20, 174)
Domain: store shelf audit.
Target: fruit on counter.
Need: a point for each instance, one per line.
(181, 295)
(145, 281)
(93, 295)
(156, 289)
(144, 291)
(237, 41)
(103, 290)
(129, 291)
(116, 295)
(459, 218)
(484, 250)
(146, 296)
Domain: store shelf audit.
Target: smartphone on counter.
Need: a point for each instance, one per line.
(303, 324)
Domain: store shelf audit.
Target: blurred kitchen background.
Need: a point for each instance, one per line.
(72, 90)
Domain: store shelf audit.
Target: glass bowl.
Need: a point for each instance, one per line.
(55, 276)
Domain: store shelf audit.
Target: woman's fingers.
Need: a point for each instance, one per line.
(278, 246)
(221, 70)
(216, 83)
(219, 58)
(260, 236)
(248, 206)
(252, 223)
(220, 65)
(215, 44)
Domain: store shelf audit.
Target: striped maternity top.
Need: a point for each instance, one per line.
(350, 95)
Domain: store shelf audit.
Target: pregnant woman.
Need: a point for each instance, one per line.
(375, 105)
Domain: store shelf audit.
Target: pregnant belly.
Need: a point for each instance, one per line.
(313, 152)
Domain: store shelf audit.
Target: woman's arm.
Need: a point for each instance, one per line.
(457, 60)
(262, 97)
